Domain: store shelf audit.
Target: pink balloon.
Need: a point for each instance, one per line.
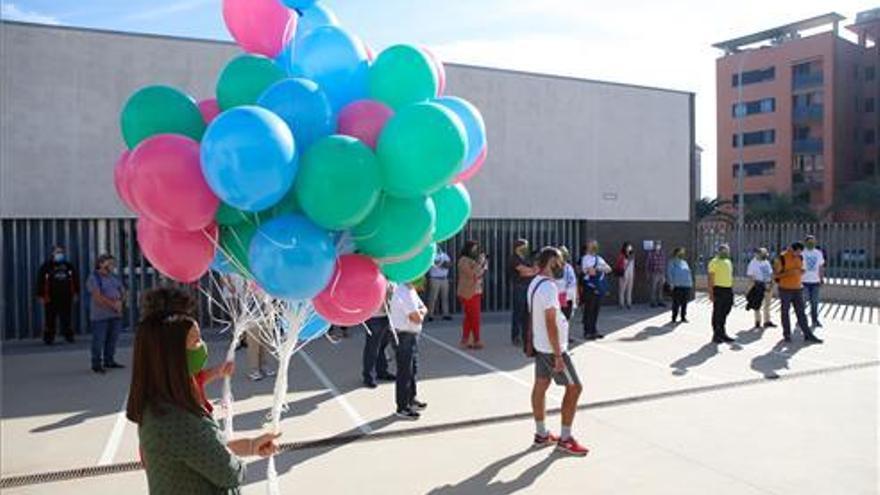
(371, 55)
(167, 185)
(210, 109)
(121, 178)
(355, 292)
(183, 256)
(364, 119)
(260, 26)
(472, 171)
(438, 68)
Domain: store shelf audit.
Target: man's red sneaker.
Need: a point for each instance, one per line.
(545, 440)
(572, 447)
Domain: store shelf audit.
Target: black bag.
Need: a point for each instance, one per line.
(528, 344)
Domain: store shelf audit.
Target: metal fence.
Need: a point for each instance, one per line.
(27, 243)
(852, 250)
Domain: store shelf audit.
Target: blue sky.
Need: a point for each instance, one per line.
(665, 44)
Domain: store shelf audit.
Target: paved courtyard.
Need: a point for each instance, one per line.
(664, 412)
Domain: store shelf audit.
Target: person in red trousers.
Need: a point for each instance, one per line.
(471, 269)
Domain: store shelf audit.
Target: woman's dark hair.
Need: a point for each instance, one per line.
(625, 246)
(468, 248)
(159, 374)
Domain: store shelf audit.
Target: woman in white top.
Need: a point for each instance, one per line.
(761, 272)
(567, 285)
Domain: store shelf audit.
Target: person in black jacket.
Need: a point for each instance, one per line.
(57, 287)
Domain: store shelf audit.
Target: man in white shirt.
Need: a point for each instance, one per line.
(761, 272)
(407, 315)
(550, 342)
(438, 285)
(814, 262)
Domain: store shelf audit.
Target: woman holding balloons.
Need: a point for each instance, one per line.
(471, 269)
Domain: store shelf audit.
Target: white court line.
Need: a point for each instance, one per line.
(115, 438)
(359, 421)
(485, 365)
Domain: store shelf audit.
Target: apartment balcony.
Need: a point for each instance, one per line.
(811, 146)
(805, 81)
(807, 181)
(808, 113)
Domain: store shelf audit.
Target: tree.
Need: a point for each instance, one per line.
(862, 196)
(712, 209)
(780, 208)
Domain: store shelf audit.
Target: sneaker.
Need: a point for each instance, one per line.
(407, 414)
(255, 375)
(99, 369)
(572, 447)
(418, 405)
(114, 365)
(545, 440)
(769, 324)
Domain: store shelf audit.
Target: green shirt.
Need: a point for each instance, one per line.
(722, 269)
(185, 453)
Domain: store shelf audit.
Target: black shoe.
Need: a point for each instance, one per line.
(407, 414)
(418, 405)
(387, 377)
(717, 340)
(430, 318)
(757, 325)
(818, 325)
(769, 324)
(662, 305)
(114, 365)
(447, 318)
(674, 321)
(48, 342)
(370, 383)
(99, 369)
(684, 320)
(786, 336)
(813, 339)
(728, 339)
(599, 336)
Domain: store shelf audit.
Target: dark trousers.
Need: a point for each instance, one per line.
(375, 363)
(520, 312)
(789, 298)
(58, 308)
(811, 292)
(592, 304)
(680, 296)
(105, 334)
(407, 368)
(720, 310)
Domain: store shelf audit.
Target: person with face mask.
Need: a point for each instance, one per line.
(678, 273)
(472, 267)
(655, 266)
(788, 270)
(814, 267)
(105, 312)
(594, 270)
(57, 288)
(549, 337)
(761, 294)
(721, 293)
(182, 446)
(521, 273)
(625, 269)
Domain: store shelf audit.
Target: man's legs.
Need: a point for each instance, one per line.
(99, 337)
(65, 313)
(444, 297)
(569, 405)
(114, 328)
(785, 298)
(728, 305)
(797, 301)
(406, 343)
(539, 390)
(433, 293)
(51, 322)
(520, 308)
(768, 300)
(371, 349)
(813, 297)
(591, 309)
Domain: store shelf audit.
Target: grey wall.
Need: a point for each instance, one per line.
(559, 148)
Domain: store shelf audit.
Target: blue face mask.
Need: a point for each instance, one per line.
(58, 258)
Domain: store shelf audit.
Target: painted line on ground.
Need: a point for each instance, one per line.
(356, 418)
(115, 438)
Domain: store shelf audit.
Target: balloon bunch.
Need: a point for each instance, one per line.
(318, 170)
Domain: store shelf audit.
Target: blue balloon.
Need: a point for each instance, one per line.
(292, 258)
(337, 61)
(221, 263)
(249, 158)
(474, 126)
(298, 4)
(303, 107)
(314, 17)
(314, 328)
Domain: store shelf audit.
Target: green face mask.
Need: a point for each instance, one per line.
(196, 358)
(724, 255)
(811, 245)
(681, 256)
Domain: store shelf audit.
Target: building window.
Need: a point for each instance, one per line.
(870, 136)
(801, 133)
(869, 73)
(754, 76)
(869, 105)
(807, 163)
(757, 137)
(756, 169)
(765, 105)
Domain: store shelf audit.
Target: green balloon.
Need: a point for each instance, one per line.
(229, 215)
(396, 227)
(160, 110)
(453, 205)
(402, 74)
(338, 183)
(245, 78)
(411, 269)
(288, 204)
(235, 241)
(420, 150)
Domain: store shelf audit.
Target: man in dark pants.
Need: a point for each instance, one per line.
(594, 269)
(57, 287)
(407, 315)
(521, 274)
(721, 293)
(788, 269)
(375, 363)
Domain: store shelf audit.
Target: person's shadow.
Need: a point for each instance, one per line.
(694, 359)
(776, 359)
(482, 482)
(750, 336)
(650, 332)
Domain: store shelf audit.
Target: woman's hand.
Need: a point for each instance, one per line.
(264, 445)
